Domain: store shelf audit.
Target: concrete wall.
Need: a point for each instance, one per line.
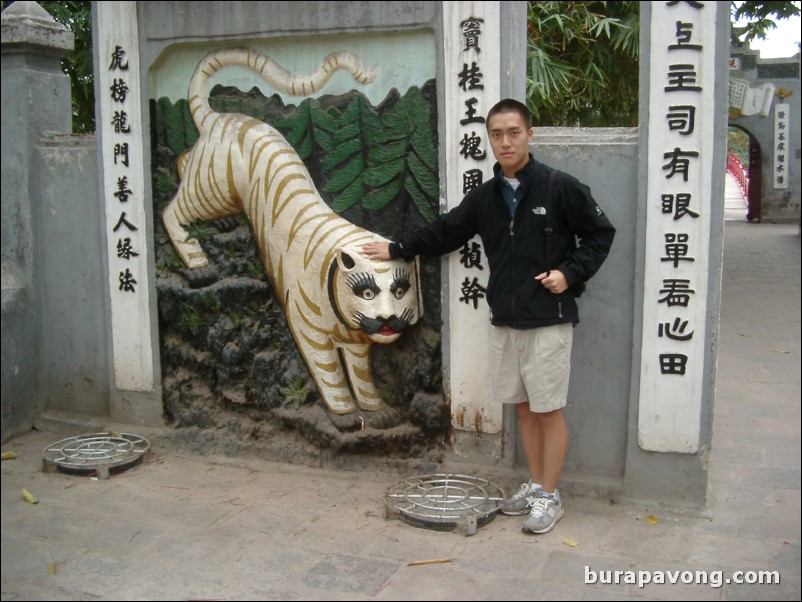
(54, 336)
(74, 368)
(163, 24)
(606, 159)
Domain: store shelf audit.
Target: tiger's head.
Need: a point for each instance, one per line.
(381, 298)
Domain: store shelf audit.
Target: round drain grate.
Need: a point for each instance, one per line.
(89, 453)
(444, 501)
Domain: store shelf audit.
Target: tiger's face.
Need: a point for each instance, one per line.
(381, 298)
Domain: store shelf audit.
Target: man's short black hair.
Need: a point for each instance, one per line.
(508, 105)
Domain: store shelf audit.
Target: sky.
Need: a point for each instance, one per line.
(782, 41)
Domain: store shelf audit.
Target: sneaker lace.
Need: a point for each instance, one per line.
(538, 505)
(523, 491)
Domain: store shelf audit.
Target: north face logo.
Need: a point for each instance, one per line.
(539, 211)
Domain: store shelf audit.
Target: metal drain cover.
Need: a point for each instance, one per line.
(112, 452)
(444, 501)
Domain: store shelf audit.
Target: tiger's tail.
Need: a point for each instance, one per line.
(271, 72)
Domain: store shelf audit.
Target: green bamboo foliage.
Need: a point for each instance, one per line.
(346, 156)
(370, 159)
(378, 160)
(173, 125)
(411, 153)
(309, 128)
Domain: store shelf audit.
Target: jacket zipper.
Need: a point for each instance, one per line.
(512, 256)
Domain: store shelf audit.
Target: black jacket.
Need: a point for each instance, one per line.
(516, 248)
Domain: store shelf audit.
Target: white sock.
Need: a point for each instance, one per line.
(554, 495)
(535, 486)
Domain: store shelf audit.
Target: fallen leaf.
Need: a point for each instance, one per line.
(571, 543)
(651, 520)
(781, 351)
(52, 568)
(28, 497)
(8, 455)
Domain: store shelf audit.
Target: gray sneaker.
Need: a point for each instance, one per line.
(517, 504)
(544, 513)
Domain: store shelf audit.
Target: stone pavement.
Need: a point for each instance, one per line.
(184, 527)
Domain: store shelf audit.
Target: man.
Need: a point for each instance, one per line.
(543, 235)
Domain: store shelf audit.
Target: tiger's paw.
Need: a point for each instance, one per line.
(192, 254)
(370, 404)
(384, 418)
(347, 422)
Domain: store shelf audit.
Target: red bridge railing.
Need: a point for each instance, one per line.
(739, 172)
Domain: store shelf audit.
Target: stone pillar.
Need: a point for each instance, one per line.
(136, 392)
(480, 65)
(36, 99)
(683, 132)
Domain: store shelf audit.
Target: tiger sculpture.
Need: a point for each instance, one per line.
(337, 302)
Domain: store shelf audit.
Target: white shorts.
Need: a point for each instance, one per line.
(532, 365)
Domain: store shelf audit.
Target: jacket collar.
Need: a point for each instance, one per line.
(524, 175)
